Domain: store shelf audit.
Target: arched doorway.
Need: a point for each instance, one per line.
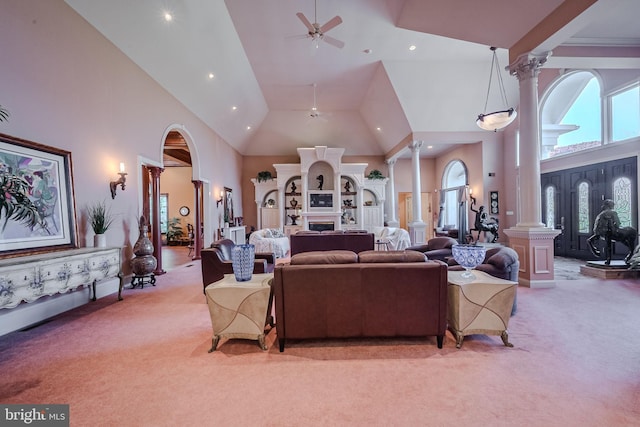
(173, 201)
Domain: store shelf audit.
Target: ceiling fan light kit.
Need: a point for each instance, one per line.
(317, 32)
(497, 119)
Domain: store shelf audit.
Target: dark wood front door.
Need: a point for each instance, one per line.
(572, 198)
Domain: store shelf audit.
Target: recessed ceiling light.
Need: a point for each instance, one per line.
(248, 127)
(234, 108)
(379, 129)
(429, 147)
(367, 51)
(168, 17)
(211, 75)
(412, 47)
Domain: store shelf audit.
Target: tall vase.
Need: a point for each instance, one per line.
(100, 241)
(242, 258)
(144, 263)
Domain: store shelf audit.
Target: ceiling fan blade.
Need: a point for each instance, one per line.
(333, 22)
(334, 42)
(306, 22)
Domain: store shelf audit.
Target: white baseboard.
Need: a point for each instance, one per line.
(27, 314)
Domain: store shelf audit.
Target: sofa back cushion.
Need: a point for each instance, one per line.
(368, 257)
(325, 257)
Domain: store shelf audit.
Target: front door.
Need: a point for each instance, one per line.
(572, 198)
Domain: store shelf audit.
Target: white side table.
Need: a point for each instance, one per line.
(240, 309)
(481, 305)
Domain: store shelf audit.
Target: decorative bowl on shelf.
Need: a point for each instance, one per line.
(469, 257)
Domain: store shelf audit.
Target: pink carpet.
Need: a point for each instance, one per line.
(144, 362)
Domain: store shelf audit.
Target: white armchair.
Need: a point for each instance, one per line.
(270, 240)
(397, 238)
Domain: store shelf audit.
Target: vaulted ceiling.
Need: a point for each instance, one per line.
(248, 69)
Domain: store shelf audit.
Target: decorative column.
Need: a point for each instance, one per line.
(530, 238)
(393, 220)
(197, 239)
(156, 235)
(417, 228)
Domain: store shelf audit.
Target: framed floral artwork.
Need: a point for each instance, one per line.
(37, 207)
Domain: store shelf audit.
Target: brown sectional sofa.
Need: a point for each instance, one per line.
(333, 240)
(341, 294)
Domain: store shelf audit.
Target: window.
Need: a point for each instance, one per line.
(622, 200)
(625, 114)
(571, 115)
(454, 177)
(550, 195)
(164, 215)
(583, 207)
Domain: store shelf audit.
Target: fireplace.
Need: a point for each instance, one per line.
(321, 226)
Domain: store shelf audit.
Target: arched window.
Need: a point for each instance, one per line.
(583, 207)
(571, 115)
(622, 200)
(453, 178)
(550, 195)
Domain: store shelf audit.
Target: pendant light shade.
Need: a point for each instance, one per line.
(497, 119)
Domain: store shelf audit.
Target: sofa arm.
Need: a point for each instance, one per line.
(260, 266)
(270, 257)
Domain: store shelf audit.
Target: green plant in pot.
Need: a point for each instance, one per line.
(100, 219)
(174, 231)
(264, 176)
(375, 174)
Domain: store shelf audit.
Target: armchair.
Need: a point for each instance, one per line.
(437, 248)
(216, 262)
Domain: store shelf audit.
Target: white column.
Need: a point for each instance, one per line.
(417, 228)
(529, 238)
(392, 220)
(526, 69)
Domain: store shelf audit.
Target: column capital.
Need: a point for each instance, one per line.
(390, 162)
(527, 65)
(415, 146)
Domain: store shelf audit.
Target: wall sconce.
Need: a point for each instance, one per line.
(220, 199)
(121, 181)
(473, 199)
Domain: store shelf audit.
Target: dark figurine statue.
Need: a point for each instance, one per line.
(483, 223)
(293, 187)
(347, 186)
(320, 179)
(607, 226)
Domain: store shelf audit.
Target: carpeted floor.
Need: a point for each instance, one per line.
(143, 361)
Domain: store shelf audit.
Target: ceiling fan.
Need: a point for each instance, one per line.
(317, 32)
(314, 113)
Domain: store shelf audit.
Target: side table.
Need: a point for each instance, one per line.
(240, 309)
(480, 305)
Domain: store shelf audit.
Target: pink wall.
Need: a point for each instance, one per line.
(66, 86)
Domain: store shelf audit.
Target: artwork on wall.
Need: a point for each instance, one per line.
(493, 202)
(37, 207)
(228, 205)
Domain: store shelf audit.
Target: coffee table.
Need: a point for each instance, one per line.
(479, 305)
(240, 309)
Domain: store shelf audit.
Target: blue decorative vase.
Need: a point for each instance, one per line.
(242, 257)
(468, 256)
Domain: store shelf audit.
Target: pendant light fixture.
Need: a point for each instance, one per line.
(497, 119)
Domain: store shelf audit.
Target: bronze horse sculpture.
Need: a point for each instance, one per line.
(607, 226)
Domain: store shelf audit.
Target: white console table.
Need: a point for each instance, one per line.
(34, 276)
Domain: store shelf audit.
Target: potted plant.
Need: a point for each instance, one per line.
(264, 176)
(174, 231)
(375, 174)
(100, 219)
